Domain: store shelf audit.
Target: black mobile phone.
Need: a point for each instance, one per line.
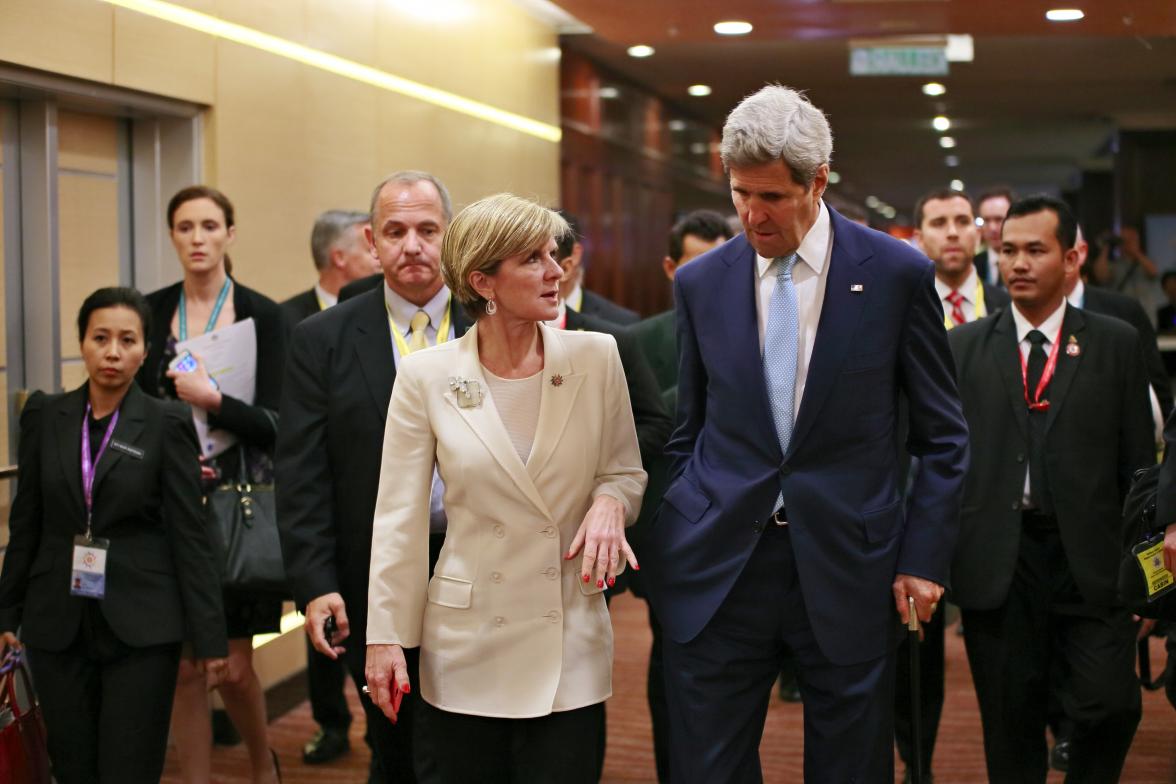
(330, 626)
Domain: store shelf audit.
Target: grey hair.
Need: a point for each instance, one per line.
(412, 177)
(328, 230)
(777, 124)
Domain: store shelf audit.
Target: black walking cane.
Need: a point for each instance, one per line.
(916, 703)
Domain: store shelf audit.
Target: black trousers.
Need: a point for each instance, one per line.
(455, 748)
(324, 683)
(931, 655)
(106, 705)
(1011, 650)
(719, 685)
(655, 691)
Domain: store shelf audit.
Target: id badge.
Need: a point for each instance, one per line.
(88, 578)
(1149, 555)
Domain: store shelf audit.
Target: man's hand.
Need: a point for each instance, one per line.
(927, 595)
(386, 673)
(317, 611)
(1170, 547)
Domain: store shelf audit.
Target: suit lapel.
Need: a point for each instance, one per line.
(131, 418)
(485, 421)
(556, 400)
(1004, 353)
(373, 348)
(69, 443)
(1072, 325)
(841, 311)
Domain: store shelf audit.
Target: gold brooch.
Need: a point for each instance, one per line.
(557, 380)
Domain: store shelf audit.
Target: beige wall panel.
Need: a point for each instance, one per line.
(3, 320)
(488, 50)
(73, 373)
(283, 18)
(88, 209)
(87, 142)
(346, 28)
(72, 37)
(163, 58)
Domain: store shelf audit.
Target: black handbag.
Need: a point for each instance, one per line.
(1139, 525)
(244, 518)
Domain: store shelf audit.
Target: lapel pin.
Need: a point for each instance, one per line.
(557, 380)
(1072, 347)
(856, 288)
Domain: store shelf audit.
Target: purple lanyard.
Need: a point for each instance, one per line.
(90, 467)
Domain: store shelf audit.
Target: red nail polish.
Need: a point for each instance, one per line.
(600, 583)
(407, 689)
(612, 581)
(636, 567)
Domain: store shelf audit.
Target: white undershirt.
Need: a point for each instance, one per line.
(517, 402)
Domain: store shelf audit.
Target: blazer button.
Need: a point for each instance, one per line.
(496, 577)
(757, 527)
(1016, 505)
(499, 621)
(1020, 457)
(552, 616)
(499, 531)
(549, 532)
(551, 572)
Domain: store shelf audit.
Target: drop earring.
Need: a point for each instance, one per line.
(491, 308)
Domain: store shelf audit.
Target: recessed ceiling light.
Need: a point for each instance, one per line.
(733, 28)
(952, 160)
(946, 142)
(640, 50)
(934, 88)
(940, 123)
(834, 178)
(608, 93)
(699, 90)
(889, 212)
(676, 125)
(1064, 15)
(872, 202)
(957, 185)
(979, 222)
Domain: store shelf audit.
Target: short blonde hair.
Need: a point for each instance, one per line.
(488, 231)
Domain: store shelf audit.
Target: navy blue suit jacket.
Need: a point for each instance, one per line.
(851, 530)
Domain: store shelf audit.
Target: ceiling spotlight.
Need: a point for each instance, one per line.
(979, 222)
(676, 125)
(872, 202)
(698, 148)
(608, 93)
(640, 50)
(952, 160)
(834, 178)
(957, 185)
(889, 213)
(1064, 15)
(733, 28)
(699, 90)
(946, 142)
(941, 123)
(933, 89)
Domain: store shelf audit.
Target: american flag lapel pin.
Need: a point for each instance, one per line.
(856, 288)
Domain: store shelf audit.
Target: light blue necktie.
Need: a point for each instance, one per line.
(781, 342)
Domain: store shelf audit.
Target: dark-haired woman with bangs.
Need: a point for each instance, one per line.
(109, 566)
(201, 221)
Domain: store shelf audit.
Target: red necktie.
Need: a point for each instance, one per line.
(956, 300)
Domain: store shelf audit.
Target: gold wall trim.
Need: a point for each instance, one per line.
(316, 58)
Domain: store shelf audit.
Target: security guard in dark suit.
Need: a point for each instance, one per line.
(1057, 406)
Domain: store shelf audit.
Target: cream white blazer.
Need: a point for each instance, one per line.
(506, 626)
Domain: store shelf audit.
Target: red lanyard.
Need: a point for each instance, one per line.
(1051, 363)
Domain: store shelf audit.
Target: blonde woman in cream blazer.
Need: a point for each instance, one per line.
(532, 432)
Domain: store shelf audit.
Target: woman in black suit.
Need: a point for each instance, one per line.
(107, 469)
(201, 222)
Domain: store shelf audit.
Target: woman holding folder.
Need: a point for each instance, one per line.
(202, 225)
(109, 566)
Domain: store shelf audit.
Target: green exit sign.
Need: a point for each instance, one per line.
(898, 61)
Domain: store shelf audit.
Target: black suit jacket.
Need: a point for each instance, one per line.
(162, 579)
(300, 307)
(254, 424)
(597, 306)
(1098, 432)
(357, 287)
(339, 378)
(1125, 308)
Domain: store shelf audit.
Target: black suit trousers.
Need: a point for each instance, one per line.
(1011, 650)
(324, 683)
(106, 705)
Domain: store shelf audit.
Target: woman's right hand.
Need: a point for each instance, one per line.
(8, 640)
(386, 673)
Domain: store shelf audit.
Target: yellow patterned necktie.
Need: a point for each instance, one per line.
(419, 340)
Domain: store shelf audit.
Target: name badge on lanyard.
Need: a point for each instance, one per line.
(88, 577)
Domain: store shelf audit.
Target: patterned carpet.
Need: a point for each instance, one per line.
(958, 754)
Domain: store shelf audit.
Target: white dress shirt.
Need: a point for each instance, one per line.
(967, 290)
(402, 312)
(993, 267)
(325, 298)
(808, 280)
(1077, 297)
(1049, 328)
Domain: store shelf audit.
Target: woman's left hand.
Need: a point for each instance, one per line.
(195, 387)
(602, 537)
